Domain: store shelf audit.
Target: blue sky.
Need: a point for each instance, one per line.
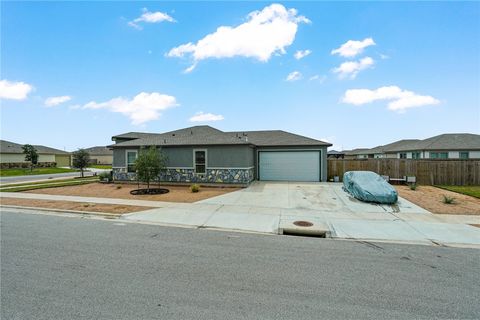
(73, 74)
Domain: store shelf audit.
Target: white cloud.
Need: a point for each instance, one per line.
(206, 117)
(14, 90)
(318, 78)
(400, 100)
(54, 101)
(294, 76)
(352, 47)
(302, 54)
(352, 68)
(265, 33)
(142, 108)
(150, 17)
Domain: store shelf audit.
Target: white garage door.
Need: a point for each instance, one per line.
(289, 165)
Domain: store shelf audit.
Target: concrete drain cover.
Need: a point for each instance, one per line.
(303, 224)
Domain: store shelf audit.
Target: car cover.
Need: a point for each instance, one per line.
(369, 187)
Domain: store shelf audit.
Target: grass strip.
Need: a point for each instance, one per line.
(473, 191)
(100, 166)
(28, 172)
(47, 182)
(47, 185)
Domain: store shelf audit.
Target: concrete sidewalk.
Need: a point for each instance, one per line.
(264, 207)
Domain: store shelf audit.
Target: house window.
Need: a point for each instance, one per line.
(403, 155)
(438, 155)
(131, 158)
(200, 157)
(415, 155)
(464, 155)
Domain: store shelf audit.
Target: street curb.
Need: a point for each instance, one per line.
(105, 214)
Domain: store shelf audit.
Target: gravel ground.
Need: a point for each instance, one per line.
(431, 199)
(69, 205)
(122, 191)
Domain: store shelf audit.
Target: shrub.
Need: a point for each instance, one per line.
(448, 200)
(413, 187)
(194, 188)
(119, 187)
(104, 175)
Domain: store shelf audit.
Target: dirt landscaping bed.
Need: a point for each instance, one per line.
(70, 205)
(431, 199)
(122, 191)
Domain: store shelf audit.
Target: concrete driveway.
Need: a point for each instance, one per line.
(272, 207)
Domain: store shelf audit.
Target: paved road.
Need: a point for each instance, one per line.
(39, 177)
(56, 267)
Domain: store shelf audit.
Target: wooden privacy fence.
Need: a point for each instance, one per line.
(427, 172)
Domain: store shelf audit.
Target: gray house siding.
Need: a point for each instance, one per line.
(322, 149)
(179, 157)
(118, 158)
(225, 164)
(230, 157)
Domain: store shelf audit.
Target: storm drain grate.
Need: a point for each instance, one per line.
(303, 223)
(302, 228)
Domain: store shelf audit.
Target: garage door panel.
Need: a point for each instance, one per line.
(289, 165)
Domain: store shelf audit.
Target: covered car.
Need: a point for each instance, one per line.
(369, 187)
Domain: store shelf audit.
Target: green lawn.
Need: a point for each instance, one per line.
(473, 191)
(47, 184)
(26, 171)
(100, 166)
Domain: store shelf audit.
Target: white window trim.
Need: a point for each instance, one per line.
(126, 157)
(195, 162)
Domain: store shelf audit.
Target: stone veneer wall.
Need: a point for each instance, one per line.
(243, 176)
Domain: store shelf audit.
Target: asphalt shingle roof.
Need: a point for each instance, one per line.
(335, 152)
(99, 151)
(447, 141)
(206, 135)
(12, 147)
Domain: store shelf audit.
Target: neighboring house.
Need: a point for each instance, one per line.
(12, 156)
(444, 146)
(334, 154)
(100, 155)
(207, 155)
(360, 153)
(377, 152)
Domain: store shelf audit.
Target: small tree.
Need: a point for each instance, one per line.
(81, 158)
(31, 155)
(149, 164)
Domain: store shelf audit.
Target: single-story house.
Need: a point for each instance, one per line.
(204, 154)
(100, 155)
(379, 151)
(12, 156)
(334, 154)
(444, 146)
